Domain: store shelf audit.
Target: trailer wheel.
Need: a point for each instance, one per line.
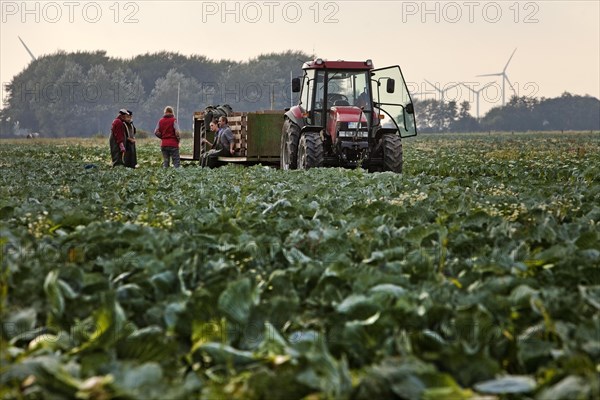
(310, 151)
(392, 153)
(290, 136)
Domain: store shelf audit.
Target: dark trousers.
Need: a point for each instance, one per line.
(210, 159)
(115, 152)
(130, 159)
(169, 153)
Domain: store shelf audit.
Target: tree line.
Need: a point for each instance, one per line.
(566, 112)
(78, 94)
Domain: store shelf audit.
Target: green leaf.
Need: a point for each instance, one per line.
(150, 381)
(19, 322)
(223, 354)
(591, 295)
(507, 384)
(521, 295)
(146, 344)
(388, 288)
(53, 293)
(237, 300)
(571, 387)
(109, 325)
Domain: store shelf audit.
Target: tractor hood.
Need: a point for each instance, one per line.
(343, 114)
(347, 114)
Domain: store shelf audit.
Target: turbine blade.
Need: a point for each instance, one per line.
(485, 86)
(510, 84)
(450, 87)
(435, 87)
(26, 48)
(468, 87)
(511, 56)
(496, 74)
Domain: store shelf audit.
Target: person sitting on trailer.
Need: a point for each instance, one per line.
(222, 147)
(214, 127)
(226, 137)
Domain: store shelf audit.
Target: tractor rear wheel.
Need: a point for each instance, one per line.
(290, 136)
(310, 151)
(392, 153)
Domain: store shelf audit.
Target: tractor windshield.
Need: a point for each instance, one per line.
(348, 88)
(328, 88)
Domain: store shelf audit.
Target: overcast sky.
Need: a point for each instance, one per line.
(558, 42)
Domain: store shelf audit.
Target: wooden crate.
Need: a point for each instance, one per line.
(238, 123)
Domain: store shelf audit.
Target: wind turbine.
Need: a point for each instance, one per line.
(477, 93)
(27, 48)
(442, 91)
(504, 78)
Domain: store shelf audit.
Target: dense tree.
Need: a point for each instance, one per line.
(567, 112)
(69, 94)
(258, 83)
(436, 116)
(165, 93)
(465, 121)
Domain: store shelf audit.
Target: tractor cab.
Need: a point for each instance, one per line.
(345, 108)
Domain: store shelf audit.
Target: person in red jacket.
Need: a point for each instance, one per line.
(167, 130)
(117, 138)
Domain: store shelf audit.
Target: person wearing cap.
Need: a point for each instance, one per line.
(167, 130)
(130, 159)
(117, 139)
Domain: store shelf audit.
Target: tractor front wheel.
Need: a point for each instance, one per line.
(310, 151)
(392, 153)
(290, 136)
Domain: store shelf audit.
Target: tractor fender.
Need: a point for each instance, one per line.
(294, 114)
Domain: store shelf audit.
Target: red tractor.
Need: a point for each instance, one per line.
(349, 115)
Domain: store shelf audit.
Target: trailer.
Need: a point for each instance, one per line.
(257, 137)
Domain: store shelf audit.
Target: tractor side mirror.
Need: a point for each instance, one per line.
(410, 108)
(391, 85)
(296, 85)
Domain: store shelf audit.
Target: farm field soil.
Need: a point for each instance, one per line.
(474, 274)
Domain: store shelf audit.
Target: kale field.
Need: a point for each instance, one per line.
(473, 275)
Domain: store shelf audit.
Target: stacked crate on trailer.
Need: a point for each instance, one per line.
(257, 136)
(238, 123)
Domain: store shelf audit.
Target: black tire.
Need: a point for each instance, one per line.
(290, 137)
(392, 153)
(310, 151)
